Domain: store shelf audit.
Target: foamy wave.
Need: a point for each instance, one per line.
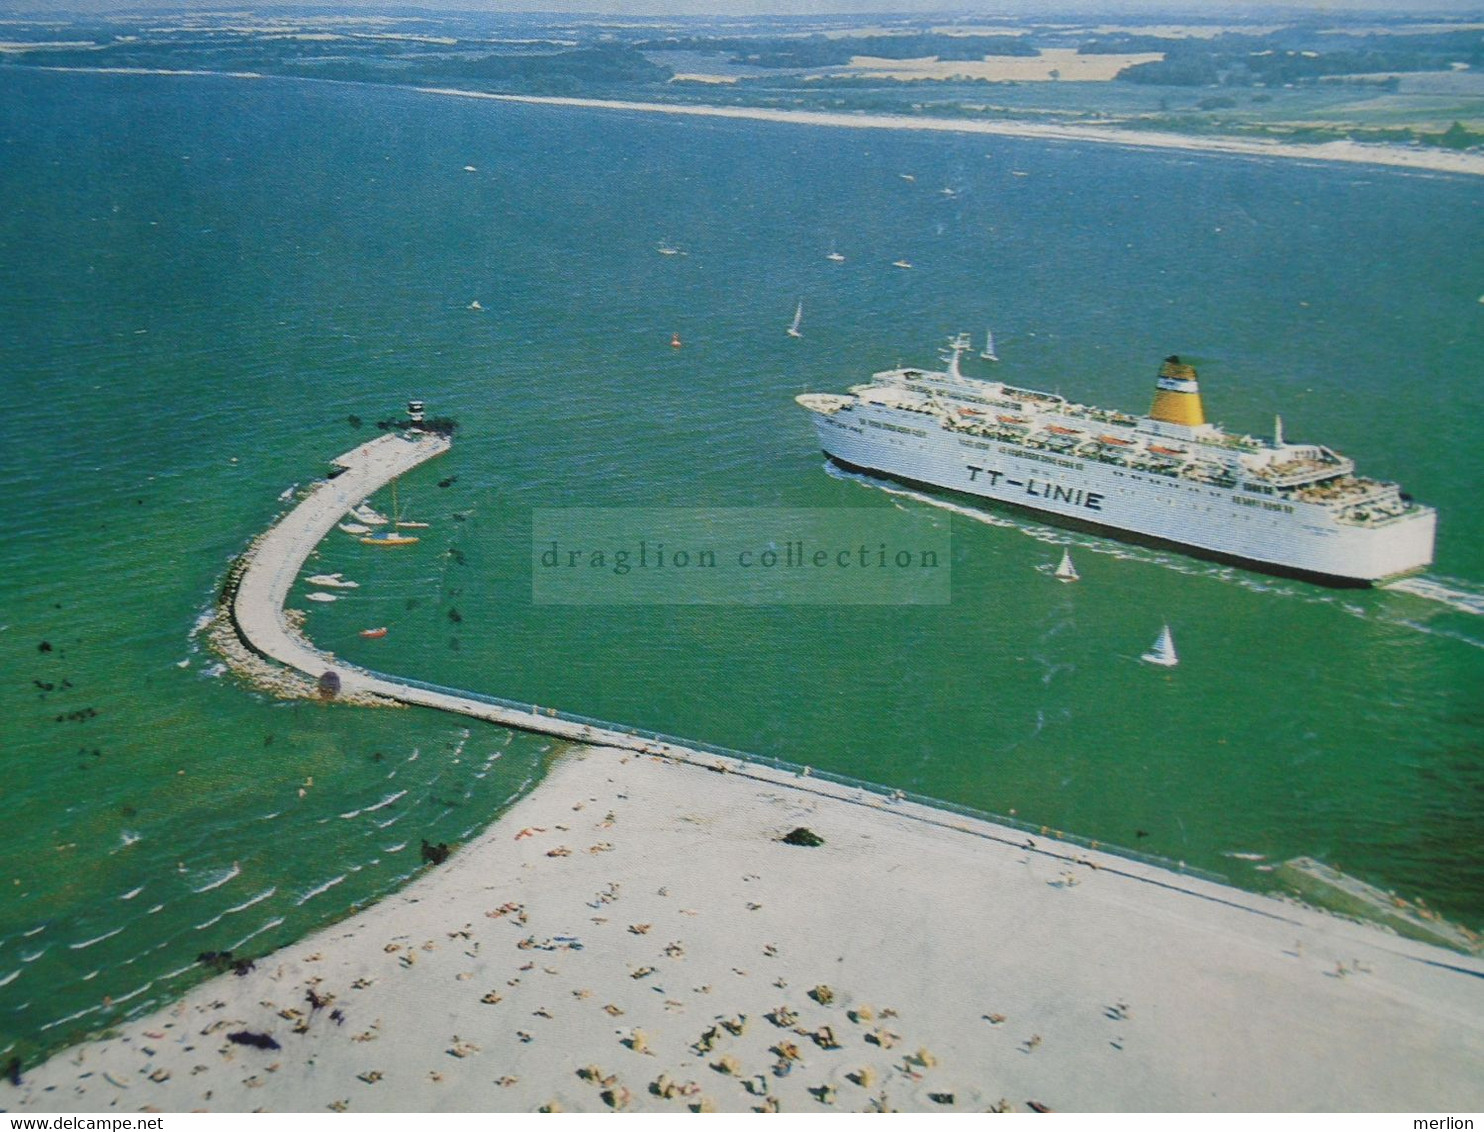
(96, 939)
(10, 978)
(381, 805)
(211, 922)
(133, 892)
(133, 993)
(313, 892)
(246, 904)
(269, 926)
(1440, 590)
(1434, 631)
(72, 1017)
(234, 871)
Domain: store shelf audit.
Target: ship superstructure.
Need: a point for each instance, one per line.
(1169, 477)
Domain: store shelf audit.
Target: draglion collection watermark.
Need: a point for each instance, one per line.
(739, 556)
(621, 560)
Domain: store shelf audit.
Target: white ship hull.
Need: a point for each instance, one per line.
(1306, 539)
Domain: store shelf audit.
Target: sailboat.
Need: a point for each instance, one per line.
(392, 537)
(1065, 571)
(835, 256)
(988, 353)
(1163, 652)
(793, 330)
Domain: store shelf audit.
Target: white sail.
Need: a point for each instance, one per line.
(1163, 652)
(793, 330)
(988, 353)
(1065, 570)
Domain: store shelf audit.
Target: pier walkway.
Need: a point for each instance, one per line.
(278, 556)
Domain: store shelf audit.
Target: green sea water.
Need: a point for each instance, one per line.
(202, 280)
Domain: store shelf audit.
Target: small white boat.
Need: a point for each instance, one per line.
(835, 256)
(1163, 652)
(318, 596)
(355, 528)
(476, 305)
(666, 248)
(333, 581)
(988, 353)
(901, 263)
(1065, 571)
(793, 330)
(365, 513)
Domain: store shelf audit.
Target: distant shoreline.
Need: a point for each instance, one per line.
(1430, 159)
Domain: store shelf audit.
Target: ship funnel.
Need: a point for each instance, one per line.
(1177, 398)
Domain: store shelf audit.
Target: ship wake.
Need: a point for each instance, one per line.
(1454, 593)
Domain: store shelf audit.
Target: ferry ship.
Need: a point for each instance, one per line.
(1169, 478)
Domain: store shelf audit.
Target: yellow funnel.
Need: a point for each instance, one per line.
(1177, 399)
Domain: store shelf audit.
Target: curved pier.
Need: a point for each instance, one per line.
(257, 606)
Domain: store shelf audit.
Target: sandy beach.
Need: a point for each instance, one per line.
(1429, 158)
(635, 934)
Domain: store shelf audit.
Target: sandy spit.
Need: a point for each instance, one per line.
(635, 935)
(1421, 158)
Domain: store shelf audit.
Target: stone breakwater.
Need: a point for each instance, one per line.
(253, 596)
(252, 630)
